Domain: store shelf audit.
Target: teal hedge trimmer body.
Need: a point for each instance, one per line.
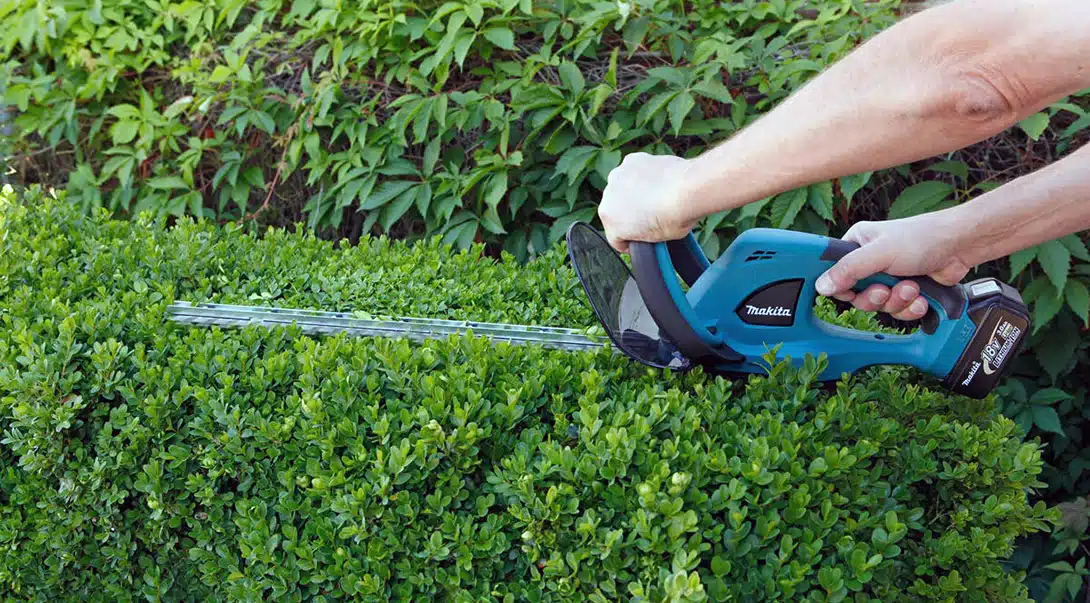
(673, 309)
(760, 294)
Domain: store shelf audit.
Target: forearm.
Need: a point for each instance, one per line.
(939, 81)
(1045, 205)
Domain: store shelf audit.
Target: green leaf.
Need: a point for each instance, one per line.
(264, 121)
(850, 185)
(397, 208)
(124, 132)
(571, 77)
(675, 76)
(1037, 288)
(125, 112)
(1045, 308)
(475, 12)
(1077, 248)
(496, 189)
(957, 168)
(1057, 348)
(121, 166)
(220, 74)
(462, 235)
(554, 209)
(254, 176)
(1078, 299)
(1046, 418)
(177, 106)
(651, 108)
(574, 161)
(359, 188)
(431, 155)
(607, 162)
(562, 138)
(386, 191)
(787, 205)
(560, 226)
(1024, 419)
(167, 182)
(1069, 582)
(501, 36)
(679, 109)
(635, 30)
(796, 66)
(1035, 125)
(1055, 259)
(462, 46)
(753, 209)
(820, 199)
(1020, 259)
(715, 90)
(919, 199)
(491, 221)
(423, 198)
(720, 565)
(1049, 396)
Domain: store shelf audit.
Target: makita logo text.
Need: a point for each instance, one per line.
(769, 311)
(972, 373)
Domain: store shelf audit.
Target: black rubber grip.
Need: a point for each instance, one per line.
(952, 299)
(659, 302)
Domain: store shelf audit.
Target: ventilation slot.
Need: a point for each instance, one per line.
(760, 255)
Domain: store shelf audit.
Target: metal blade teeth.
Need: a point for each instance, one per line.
(416, 329)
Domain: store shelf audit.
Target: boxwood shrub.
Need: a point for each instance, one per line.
(148, 460)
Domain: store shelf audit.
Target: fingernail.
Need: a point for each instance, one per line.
(908, 293)
(919, 306)
(879, 297)
(824, 285)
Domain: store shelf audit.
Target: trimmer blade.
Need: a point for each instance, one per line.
(615, 298)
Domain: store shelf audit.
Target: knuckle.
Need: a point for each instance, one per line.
(842, 273)
(836, 271)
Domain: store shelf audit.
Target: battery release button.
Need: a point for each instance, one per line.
(983, 289)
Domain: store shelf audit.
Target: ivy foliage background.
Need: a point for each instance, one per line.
(477, 121)
(495, 123)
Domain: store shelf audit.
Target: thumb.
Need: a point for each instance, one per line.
(852, 268)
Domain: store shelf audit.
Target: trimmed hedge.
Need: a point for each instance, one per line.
(151, 460)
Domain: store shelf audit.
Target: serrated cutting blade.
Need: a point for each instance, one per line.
(317, 322)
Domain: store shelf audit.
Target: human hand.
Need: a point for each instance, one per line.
(644, 200)
(920, 245)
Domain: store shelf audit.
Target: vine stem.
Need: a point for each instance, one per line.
(276, 177)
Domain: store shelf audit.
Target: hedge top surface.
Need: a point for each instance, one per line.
(153, 460)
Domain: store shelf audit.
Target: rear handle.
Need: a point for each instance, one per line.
(950, 299)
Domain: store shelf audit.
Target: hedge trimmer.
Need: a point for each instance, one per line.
(673, 309)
